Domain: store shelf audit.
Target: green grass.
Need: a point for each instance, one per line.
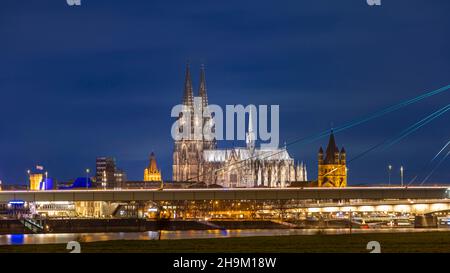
(392, 242)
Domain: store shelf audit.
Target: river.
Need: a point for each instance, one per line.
(62, 238)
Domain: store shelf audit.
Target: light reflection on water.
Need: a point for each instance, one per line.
(62, 238)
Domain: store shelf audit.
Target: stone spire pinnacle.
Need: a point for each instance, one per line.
(188, 96)
(250, 138)
(152, 165)
(332, 149)
(202, 88)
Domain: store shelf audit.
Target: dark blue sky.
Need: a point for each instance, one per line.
(100, 79)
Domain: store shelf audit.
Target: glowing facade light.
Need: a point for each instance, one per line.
(384, 208)
(313, 209)
(366, 208)
(330, 209)
(347, 209)
(439, 206)
(402, 208)
(420, 207)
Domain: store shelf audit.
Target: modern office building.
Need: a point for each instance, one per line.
(107, 174)
(120, 177)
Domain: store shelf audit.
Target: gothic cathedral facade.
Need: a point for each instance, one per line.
(196, 158)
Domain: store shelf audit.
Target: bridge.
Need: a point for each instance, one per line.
(371, 193)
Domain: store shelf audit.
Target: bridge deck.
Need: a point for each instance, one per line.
(374, 193)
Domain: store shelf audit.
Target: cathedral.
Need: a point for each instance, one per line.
(197, 158)
(332, 170)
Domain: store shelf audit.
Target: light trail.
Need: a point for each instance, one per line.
(369, 117)
(391, 141)
(443, 148)
(412, 180)
(435, 168)
(431, 161)
(345, 126)
(418, 125)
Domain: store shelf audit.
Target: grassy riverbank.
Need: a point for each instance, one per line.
(393, 242)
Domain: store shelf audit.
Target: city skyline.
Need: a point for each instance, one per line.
(61, 113)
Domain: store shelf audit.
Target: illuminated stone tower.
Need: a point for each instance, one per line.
(151, 173)
(188, 151)
(332, 171)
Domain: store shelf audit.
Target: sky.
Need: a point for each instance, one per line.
(100, 79)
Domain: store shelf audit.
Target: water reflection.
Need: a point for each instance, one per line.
(62, 238)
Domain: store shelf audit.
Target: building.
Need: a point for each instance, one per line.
(37, 178)
(120, 177)
(332, 170)
(105, 170)
(151, 173)
(196, 158)
(47, 183)
(78, 183)
(107, 175)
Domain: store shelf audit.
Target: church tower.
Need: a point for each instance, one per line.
(332, 171)
(188, 151)
(151, 173)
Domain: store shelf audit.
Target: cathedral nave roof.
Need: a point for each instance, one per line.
(221, 155)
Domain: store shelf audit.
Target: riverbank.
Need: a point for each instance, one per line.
(80, 225)
(390, 242)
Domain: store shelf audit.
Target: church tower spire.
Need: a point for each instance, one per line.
(332, 150)
(151, 173)
(188, 96)
(332, 170)
(202, 88)
(250, 138)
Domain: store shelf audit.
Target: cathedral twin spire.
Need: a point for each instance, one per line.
(197, 106)
(188, 98)
(202, 88)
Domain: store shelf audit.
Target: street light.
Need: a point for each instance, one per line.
(87, 178)
(29, 179)
(401, 175)
(389, 173)
(44, 186)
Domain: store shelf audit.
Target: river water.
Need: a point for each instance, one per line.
(62, 238)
